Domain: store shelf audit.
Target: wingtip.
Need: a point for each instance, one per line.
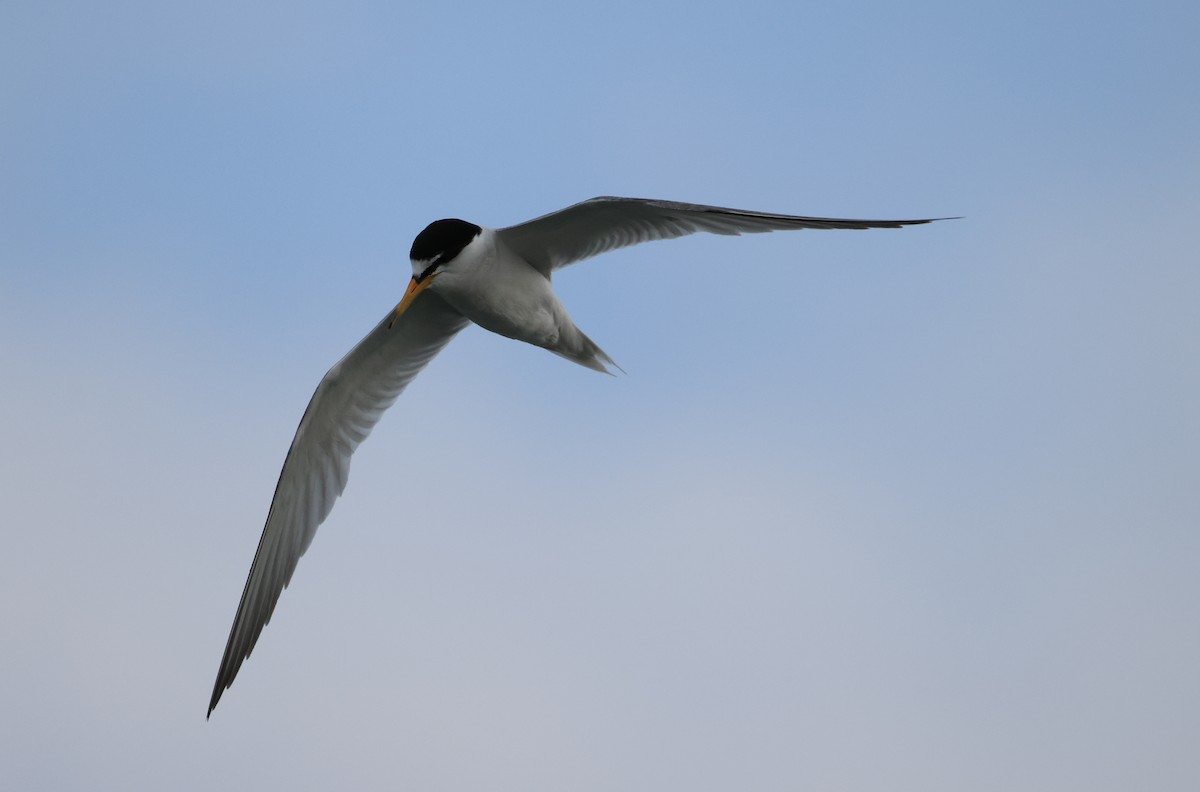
(924, 220)
(212, 702)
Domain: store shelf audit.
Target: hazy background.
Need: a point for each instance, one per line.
(888, 510)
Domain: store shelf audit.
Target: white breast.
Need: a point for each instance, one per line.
(501, 292)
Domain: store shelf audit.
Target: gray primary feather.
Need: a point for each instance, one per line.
(345, 407)
(602, 224)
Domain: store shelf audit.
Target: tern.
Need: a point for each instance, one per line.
(462, 273)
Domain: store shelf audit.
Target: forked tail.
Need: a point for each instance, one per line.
(578, 348)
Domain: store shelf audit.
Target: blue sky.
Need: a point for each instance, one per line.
(908, 510)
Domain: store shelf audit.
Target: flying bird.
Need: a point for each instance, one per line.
(462, 273)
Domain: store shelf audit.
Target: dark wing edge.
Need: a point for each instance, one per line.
(345, 407)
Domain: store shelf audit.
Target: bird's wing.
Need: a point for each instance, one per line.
(343, 410)
(602, 224)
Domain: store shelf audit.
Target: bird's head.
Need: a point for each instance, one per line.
(433, 252)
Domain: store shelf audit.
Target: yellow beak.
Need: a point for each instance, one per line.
(415, 287)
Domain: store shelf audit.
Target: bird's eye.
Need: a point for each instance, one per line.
(427, 271)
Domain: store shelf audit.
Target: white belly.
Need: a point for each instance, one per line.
(502, 293)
